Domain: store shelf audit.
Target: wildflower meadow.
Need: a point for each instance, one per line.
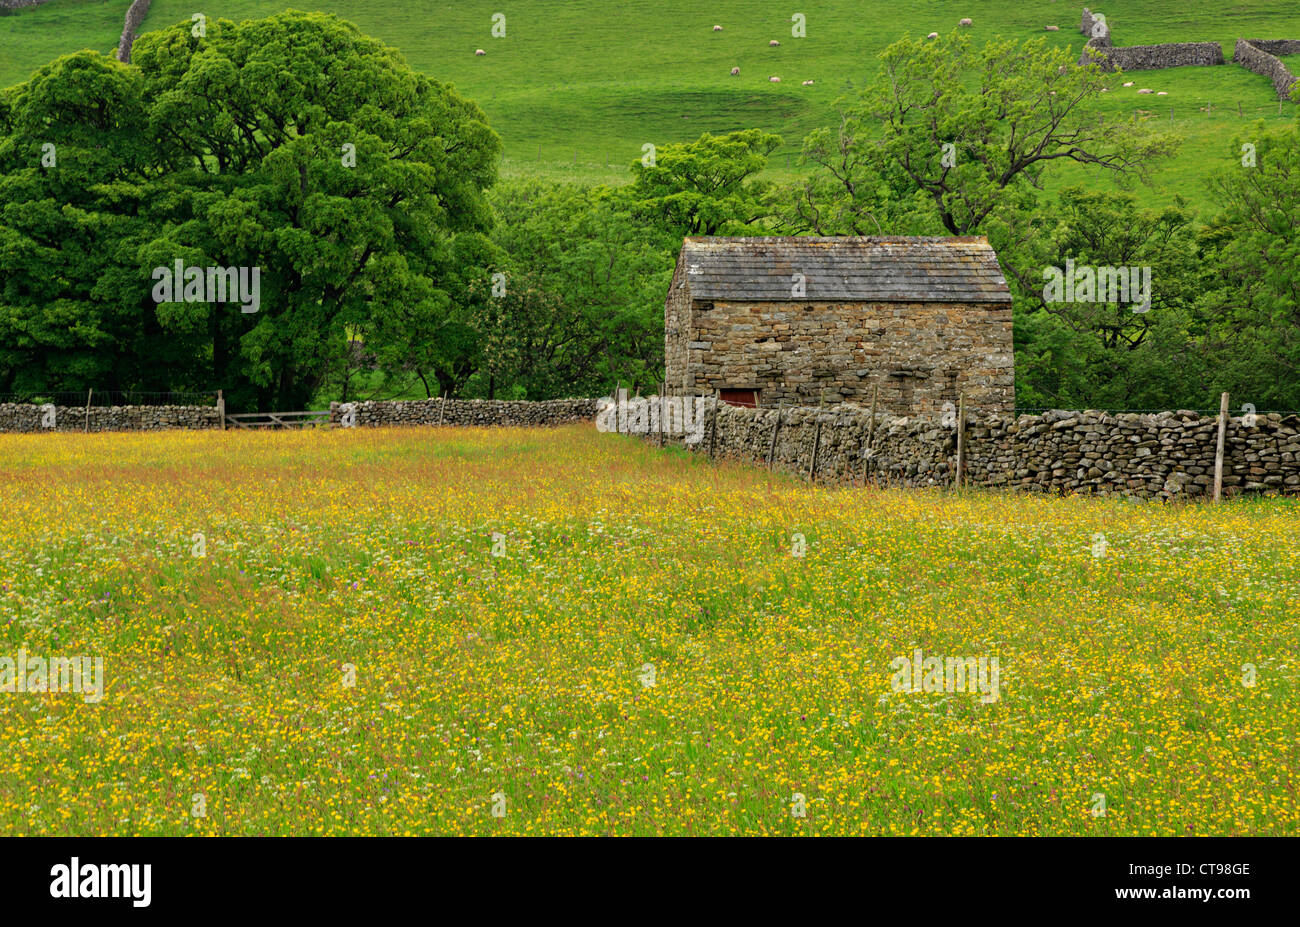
(507, 631)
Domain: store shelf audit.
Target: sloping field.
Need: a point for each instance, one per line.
(576, 88)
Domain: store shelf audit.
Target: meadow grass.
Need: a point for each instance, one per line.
(527, 675)
(575, 89)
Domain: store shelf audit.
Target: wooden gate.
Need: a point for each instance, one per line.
(278, 419)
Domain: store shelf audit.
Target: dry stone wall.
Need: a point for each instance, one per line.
(466, 412)
(135, 15)
(27, 417)
(1157, 57)
(1097, 37)
(1165, 456)
(1259, 55)
(1142, 57)
(1169, 455)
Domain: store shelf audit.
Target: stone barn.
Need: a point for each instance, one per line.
(801, 319)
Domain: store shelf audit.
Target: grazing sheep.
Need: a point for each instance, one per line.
(933, 35)
(807, 83)
(1128, 83)
(774, 43)
(1162, 93)
(1105, 90)
(1146, 90)
(775, 80)
(717, 28)
(479, 51)
(965, 22)
(735, 72)
(1052, 28)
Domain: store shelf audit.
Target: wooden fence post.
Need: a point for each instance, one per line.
(961, 437)
(662, 387)
(442, 407)
(776, 429)
(89, 393)
(713, 431)
(1218, 450)
(817, 438)
(221, 408)
(871, 433)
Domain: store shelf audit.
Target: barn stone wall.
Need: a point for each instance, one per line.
(918, 355)
(1163, 456)
(677, 329)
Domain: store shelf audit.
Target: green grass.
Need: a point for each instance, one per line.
(575, 89)
(1159, 673)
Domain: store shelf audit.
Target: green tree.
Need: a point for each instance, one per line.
(76, 163)
(848, 192)
(1252, 248)
(315, 153)
(705, 187)
(1077, 348)
(292, 144)
(583, 294)
(967, 128)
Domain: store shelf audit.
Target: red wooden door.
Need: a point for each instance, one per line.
(740, 397)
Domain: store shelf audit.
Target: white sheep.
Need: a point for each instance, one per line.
(479, 51)
(1146, 90)
(717, 28)
(775, 80)
(807, 83)
(735, 72)
(1162, 93)
(1052, 28)
(1128, 83)
(965, 22)
(774, 43)
(933, 35)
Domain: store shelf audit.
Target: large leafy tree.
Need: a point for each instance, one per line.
(75, 162)
(1089, 351)
(303, 147)
(582, 302)
(849, 191)
(968, 129)
(705, 187)
(293, 144)
(1253, 248)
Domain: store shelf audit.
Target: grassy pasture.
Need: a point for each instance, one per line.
(575, 89)
(525, 675)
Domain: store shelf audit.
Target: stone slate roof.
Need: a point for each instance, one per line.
(897, 269)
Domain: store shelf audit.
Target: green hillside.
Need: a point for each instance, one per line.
(576, 88)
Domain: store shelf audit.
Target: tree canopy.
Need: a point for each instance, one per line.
(293, 144)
